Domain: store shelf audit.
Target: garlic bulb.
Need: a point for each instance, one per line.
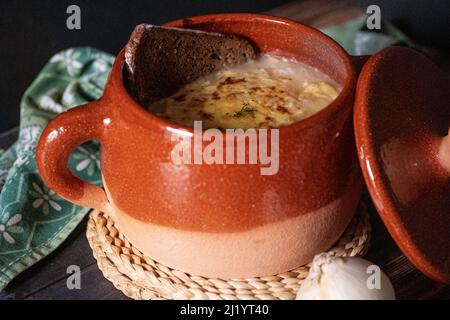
(337, 278)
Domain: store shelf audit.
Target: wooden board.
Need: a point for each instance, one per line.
(47, 279)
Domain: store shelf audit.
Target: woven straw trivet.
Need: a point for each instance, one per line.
(140, 277)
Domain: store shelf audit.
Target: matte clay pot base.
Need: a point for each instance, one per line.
(142, 278)
(402, 114)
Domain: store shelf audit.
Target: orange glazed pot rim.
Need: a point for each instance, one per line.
(116, 88)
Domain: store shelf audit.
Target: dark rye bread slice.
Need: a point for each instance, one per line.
(161, 59)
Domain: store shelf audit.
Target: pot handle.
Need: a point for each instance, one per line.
(61, 136)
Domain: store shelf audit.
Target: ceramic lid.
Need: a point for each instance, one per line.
(402, 119)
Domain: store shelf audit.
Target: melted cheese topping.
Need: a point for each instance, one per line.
(267, 92)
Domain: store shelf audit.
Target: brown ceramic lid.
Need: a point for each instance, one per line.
(402, 119)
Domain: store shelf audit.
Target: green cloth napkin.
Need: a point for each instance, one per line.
(33, 219)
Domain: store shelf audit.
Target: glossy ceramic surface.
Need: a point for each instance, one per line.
(402, 115)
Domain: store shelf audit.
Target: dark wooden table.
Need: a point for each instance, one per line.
(47, 279)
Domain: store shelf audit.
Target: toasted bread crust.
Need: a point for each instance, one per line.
(161, 59)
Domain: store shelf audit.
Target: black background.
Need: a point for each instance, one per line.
(32, 31)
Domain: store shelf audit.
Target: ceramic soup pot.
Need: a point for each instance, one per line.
(226, 221)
